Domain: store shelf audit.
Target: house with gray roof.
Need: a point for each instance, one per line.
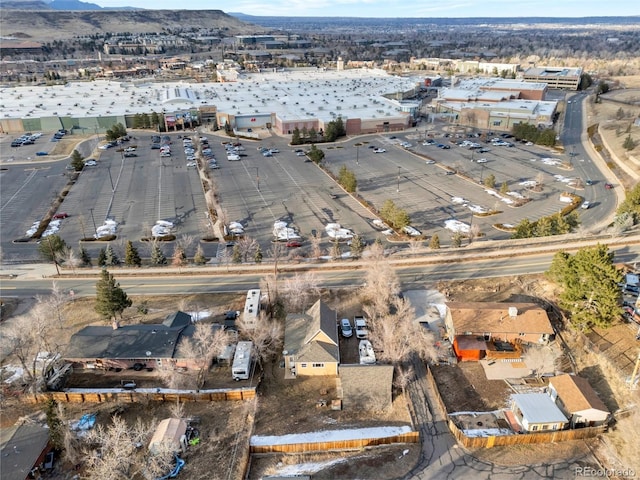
(537, 412)
(132, 346)
(22, 449)
(311, 342)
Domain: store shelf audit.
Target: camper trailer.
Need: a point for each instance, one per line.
(251, 309)
(241, 368)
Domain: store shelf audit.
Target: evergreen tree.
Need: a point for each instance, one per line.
(131, 255)
(56, 434)
(52, 248)
(85, 258)
(157, 256)
(295, 137)
(631, 204)
(111, 300)
(434, 243)
(589, 281)
(490, 181)
(77, 161)
(236, 256)
(504, 188)
(456, 240)
(629, 144)
(110, 257)
(258, 255)
(357, 246)
(102, 258)
(199, 258)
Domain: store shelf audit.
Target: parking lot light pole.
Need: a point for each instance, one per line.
(357, 155)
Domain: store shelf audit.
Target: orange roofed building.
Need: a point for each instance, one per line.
(476, 328)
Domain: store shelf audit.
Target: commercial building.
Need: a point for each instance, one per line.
(368, 101)
(496, 104)
(556, 77)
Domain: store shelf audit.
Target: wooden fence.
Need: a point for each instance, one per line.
(516, 439)
(142, 397)
(524, 438)
(355, 444)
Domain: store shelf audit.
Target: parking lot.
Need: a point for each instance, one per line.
(259, 190)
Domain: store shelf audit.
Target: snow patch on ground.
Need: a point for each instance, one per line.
(200, 315)
(550, 161)
(499, 197)
(487, 432)
(457, 226)
(458, 200)
(478, 209)
(16, 373)
(528, 183)
(329, 435)
(310, 467)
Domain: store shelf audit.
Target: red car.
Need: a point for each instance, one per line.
(60, 216)
(293, 244)
(608, 186)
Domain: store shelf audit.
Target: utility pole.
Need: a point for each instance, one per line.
(53, 255)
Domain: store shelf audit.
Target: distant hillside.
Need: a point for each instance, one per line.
(47, 25)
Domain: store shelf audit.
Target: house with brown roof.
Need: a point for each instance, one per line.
(311, 342)
(578, 401)
(479, 329)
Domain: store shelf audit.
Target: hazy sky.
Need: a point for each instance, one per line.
(397, 8)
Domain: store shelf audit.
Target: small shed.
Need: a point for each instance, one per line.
(22, 448)
(171, 431)
(537, 412)
(469, 348)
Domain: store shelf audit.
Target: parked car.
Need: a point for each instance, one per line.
(345, 328)
(450, 172)
(379, 150)
(90, 163)
(293, 244)
(481, 160)
(60, 215)
(42, 154)
(430, 162)
(589, 182)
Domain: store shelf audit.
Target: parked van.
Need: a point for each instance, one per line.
(241, 368)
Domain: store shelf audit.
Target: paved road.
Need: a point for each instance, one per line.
(443, 459)
(27, 281)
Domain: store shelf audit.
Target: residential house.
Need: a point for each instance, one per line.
(366, 387)
(311, 342)
(578, 401)
(22, 449)
(133, 346)
(536, 412)
(479, 329)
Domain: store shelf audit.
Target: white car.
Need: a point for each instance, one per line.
(90, 163)
(481, 160)
(379, 150)
(130, 149)
(233, 157)
(192, 164)
(430, 162)
(585, 205)
(300, 154)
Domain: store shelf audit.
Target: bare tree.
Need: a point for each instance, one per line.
(269, 287)
(315, 245)
(185, 242)
(267, 336)
(298, 290)
(541, 360)
(202, 347)
(403, 377)
(474, 232)
(415, 245)
(36, 340)
(71, 259)
(381, 283)
(397, 335)
(114, 453)
(247, 247)
(276, 252)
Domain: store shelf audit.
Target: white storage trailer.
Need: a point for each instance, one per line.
(241, 368)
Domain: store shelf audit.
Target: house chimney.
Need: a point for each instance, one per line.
(115, 325)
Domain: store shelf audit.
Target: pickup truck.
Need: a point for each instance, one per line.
(361, 327)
